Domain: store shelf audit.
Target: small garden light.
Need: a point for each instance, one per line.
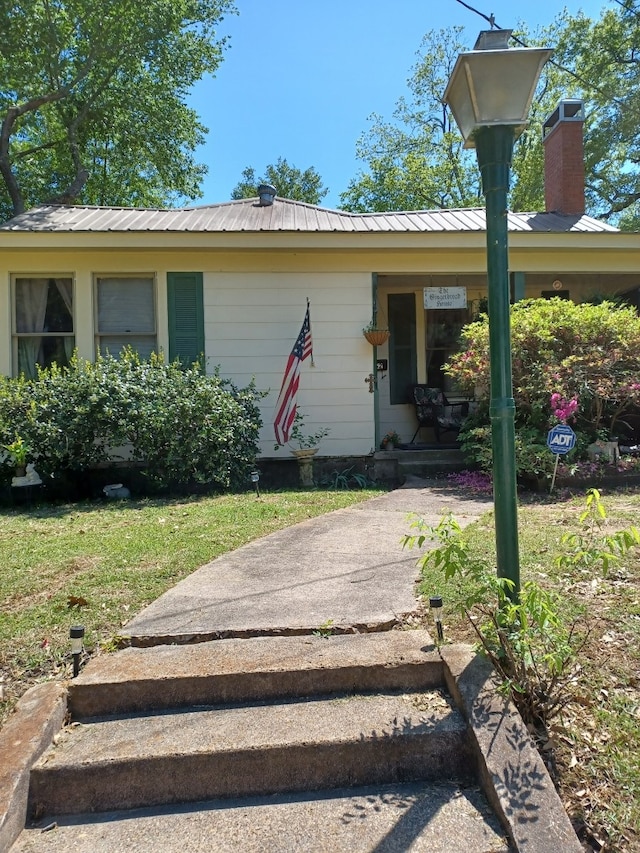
(255, 479)
(76, 634)
(435, 604)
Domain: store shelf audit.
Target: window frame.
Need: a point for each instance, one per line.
(99, 335)
(16, 336)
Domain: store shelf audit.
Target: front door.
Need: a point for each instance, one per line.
(422, 340)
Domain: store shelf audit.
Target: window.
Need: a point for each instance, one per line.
(42, 322)
(443, 333)
(126, 314)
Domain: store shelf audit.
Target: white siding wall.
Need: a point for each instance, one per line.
(251, 323)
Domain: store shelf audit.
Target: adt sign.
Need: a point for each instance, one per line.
(561, 439)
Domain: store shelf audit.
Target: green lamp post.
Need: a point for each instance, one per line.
(490, 92)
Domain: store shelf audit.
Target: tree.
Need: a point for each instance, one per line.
(289, 182)
(92, 99)
(605, 58)
(417, 160)
(598, 62)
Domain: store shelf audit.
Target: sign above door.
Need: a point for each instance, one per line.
(445, 297)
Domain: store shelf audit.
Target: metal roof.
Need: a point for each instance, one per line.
(284, 215)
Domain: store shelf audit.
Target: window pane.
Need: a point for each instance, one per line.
(125, 305)
(114, 344)
(44, 351)
(443, 333)
(44, 305)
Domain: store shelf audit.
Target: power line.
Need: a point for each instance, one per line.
(490, 18)
(587, 85)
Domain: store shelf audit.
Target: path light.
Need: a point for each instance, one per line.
(255, 479)
(490, 91)
(76, 634)
(435, 604)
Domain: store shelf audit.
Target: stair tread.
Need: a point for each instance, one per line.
(440, 817)
(259, 655)
(251, 727)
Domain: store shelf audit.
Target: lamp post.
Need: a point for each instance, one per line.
(489, 92)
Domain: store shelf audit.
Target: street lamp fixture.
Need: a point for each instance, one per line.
(490, 92)
(493, 85)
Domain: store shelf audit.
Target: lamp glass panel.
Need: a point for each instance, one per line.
(490, 87)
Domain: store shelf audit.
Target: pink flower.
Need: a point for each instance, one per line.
(563, 409)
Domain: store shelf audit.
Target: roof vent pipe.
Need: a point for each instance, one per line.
(267, 194)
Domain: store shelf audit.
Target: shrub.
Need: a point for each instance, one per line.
(590, 353)
(187, 427)
(183, 426)
(64, 415)
(532, 457)
(570, 362)
(528, 641)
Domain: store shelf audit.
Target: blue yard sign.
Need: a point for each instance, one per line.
(561, 439)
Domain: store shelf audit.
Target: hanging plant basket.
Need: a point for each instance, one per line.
(377, 337)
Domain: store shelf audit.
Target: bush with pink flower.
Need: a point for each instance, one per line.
(577, 364)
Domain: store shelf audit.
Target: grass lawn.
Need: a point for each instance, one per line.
(99, 564)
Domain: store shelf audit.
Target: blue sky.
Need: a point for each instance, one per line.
(301, 77)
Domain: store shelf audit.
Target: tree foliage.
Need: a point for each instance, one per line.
(92, 99)
(416, 160)
(604, 58)
(289, 181)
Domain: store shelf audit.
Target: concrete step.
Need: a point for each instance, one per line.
(427, 463)
(288, 775)
(422, 817)
(395, 465)
(252, 749)
(261, 668)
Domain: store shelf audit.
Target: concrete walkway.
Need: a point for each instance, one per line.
(347, 566)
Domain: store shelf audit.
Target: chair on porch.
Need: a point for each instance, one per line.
(435, 411)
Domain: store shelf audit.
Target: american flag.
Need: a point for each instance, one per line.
(285, 411)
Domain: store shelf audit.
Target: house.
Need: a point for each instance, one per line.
(232, 280)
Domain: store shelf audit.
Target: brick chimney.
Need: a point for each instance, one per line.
(562, 137)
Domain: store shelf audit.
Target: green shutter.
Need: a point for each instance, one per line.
(186, 316)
